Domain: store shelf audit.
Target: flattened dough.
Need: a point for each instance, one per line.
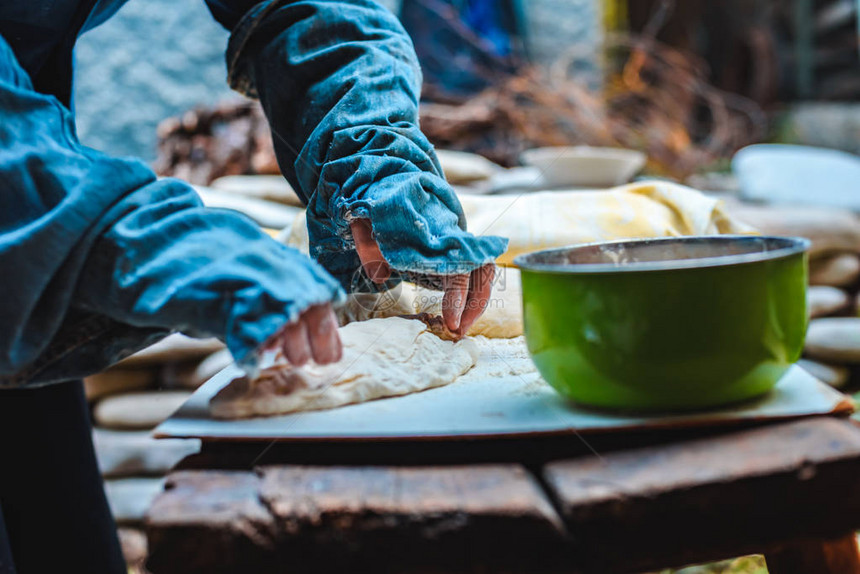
(381, 358)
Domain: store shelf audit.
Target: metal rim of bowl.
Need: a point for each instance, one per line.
(794, 246)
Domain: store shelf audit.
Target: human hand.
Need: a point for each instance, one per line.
(313, 335)
(466, 295)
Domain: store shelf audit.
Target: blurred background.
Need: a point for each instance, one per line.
(689, 82)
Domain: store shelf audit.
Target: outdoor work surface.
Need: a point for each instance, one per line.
(789, 490)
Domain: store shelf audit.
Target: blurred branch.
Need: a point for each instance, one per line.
(656, 99)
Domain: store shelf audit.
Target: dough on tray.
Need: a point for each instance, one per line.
(381, 358)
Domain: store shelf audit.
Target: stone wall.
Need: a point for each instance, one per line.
(824, 124)
(154, 59)
(157, 58)
(554, 27)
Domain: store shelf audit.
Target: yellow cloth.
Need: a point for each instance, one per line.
(545, 219)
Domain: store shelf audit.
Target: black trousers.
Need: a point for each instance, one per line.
(54, 516)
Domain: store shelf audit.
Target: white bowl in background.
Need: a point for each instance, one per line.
(585, 166)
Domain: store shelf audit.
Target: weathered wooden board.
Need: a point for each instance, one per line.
(783, 490)
(492, 518)
(837, 556)
(210, 522)
(712, 498)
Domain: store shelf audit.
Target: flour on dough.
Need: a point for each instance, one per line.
(363, 306)
(503, 318)
(381, 358)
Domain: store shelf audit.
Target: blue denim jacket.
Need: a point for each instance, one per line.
(101, 258)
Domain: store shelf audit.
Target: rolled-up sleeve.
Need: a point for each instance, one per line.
(82, 232)
(339, 82)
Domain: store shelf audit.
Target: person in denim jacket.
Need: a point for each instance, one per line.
(102, 258)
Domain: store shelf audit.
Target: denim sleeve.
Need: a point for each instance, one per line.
(339, 82)
(82, 232)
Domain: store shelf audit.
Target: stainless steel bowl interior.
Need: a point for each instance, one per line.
(662, 254)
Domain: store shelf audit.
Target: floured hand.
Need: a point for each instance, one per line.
(312, 336)
(466, 295)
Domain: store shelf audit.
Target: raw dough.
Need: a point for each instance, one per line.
(173, 348)
(266, 213)
(363, 306)
(138, 411)
(114, 381)
(830, 230)
(546, 219)
(381, 358)
(265, 187)
(541, 220)
(838, 270)
(823, 300)
(463, 167)
(503, 318)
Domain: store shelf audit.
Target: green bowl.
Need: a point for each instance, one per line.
(666, 324)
